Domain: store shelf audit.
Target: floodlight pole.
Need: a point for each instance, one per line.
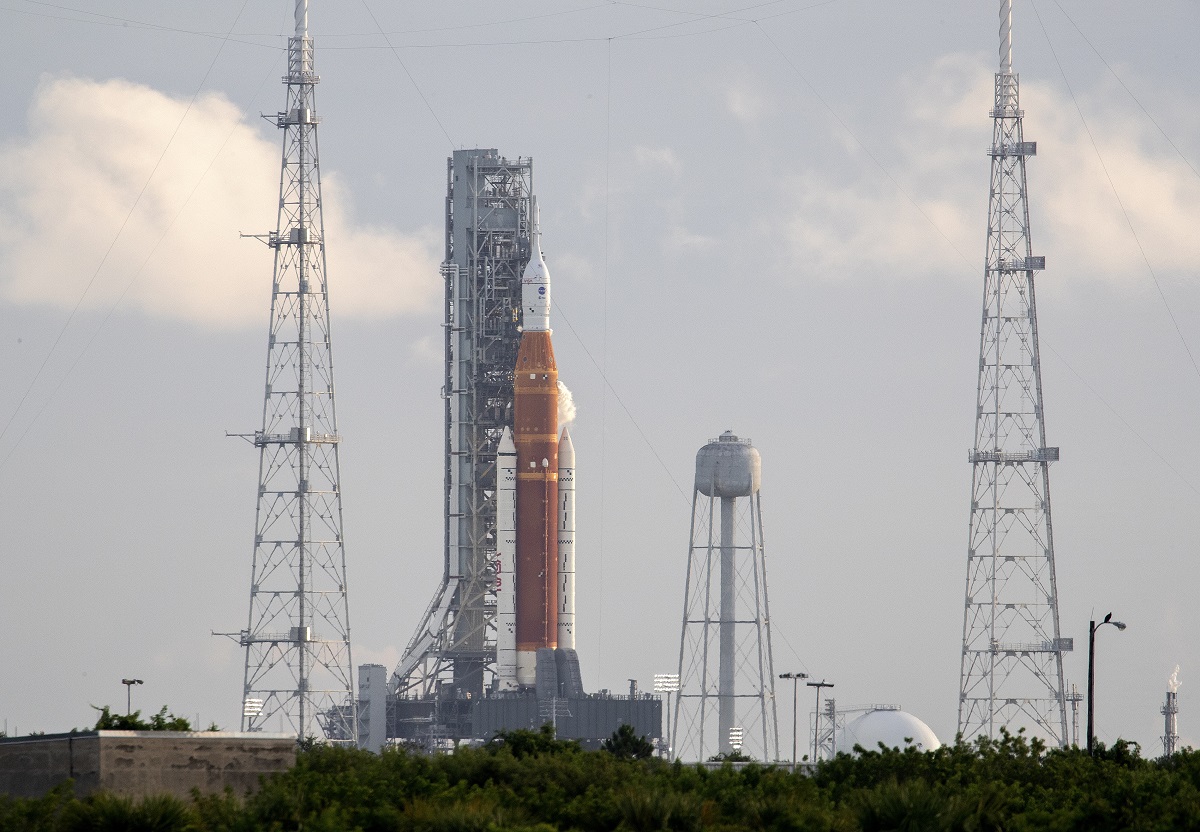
(667, 683)
(795, 677)
(817, 715)
(129, 683)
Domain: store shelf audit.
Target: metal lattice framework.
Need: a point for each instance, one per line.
(488, 219)
(298, 666)
(1012, 659)
(726, 669)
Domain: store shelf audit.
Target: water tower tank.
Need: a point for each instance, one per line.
(728, 467)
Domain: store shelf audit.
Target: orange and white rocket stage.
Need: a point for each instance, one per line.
(535, 582)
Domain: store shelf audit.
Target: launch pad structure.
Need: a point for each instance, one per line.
(494, 649)
(488, 222)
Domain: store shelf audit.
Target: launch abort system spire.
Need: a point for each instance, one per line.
(1012, 651)
(298, 667)
(726, 670)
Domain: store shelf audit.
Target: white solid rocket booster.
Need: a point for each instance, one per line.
(566, 541)
(506, 556)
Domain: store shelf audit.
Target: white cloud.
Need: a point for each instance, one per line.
(745, 102)
(658, 158)
(939, 160)
(67, 186)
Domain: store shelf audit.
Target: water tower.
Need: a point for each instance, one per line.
(726, 698)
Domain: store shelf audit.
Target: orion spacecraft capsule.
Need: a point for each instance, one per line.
(535, 434)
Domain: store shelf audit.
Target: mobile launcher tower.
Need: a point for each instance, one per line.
(495, 647)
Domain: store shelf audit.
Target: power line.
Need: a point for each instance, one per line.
(125, 222)
(903, 191)
(1125, 87)
(1116, 194)
(132, 281)
(411, 79)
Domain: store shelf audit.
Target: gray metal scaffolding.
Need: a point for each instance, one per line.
(488, 220)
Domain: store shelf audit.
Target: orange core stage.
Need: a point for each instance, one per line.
(535, 433)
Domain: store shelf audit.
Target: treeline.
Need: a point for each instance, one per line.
(529, 781)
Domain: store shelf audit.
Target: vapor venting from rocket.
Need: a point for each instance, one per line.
(1173, 682)
(566, 405)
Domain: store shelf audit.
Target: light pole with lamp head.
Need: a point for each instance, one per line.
(129, 683)
(817, 715)
(1091, 694)
(795, 677)
(667, 683)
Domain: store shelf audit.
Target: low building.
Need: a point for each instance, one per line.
(139, 763)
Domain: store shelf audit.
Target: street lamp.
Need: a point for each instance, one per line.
(817, 715)
(129, 683)
(1091, 694)
(667, 683)
(795, 677)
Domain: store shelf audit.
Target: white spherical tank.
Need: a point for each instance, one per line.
(728, 467)
(893, 728)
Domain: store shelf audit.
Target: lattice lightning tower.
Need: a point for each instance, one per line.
(298, 668)
(1012, 659)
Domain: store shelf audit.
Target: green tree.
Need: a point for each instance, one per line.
(161, 721)
(625, 744)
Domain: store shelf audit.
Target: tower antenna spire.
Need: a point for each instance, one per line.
(1012, 653)
(297, 641)
(1006, 36)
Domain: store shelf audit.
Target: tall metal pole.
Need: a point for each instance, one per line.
(297, 640)
(1091, 692)
(1012, 649)
(795, 677)
(817, 715)
(1091, 725)
(129, 683)
(795, 716)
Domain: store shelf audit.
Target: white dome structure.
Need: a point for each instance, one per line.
(892, 727)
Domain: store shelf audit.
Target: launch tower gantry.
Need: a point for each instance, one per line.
(452, 655)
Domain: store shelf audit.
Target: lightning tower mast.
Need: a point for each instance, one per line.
(1012, 654)
(298, 667)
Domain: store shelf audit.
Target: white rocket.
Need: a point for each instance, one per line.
(566, 541)
(535, 500)
(506, 556)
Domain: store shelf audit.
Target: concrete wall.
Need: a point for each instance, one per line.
(138, 763)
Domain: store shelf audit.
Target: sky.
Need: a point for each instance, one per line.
(763, 217)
